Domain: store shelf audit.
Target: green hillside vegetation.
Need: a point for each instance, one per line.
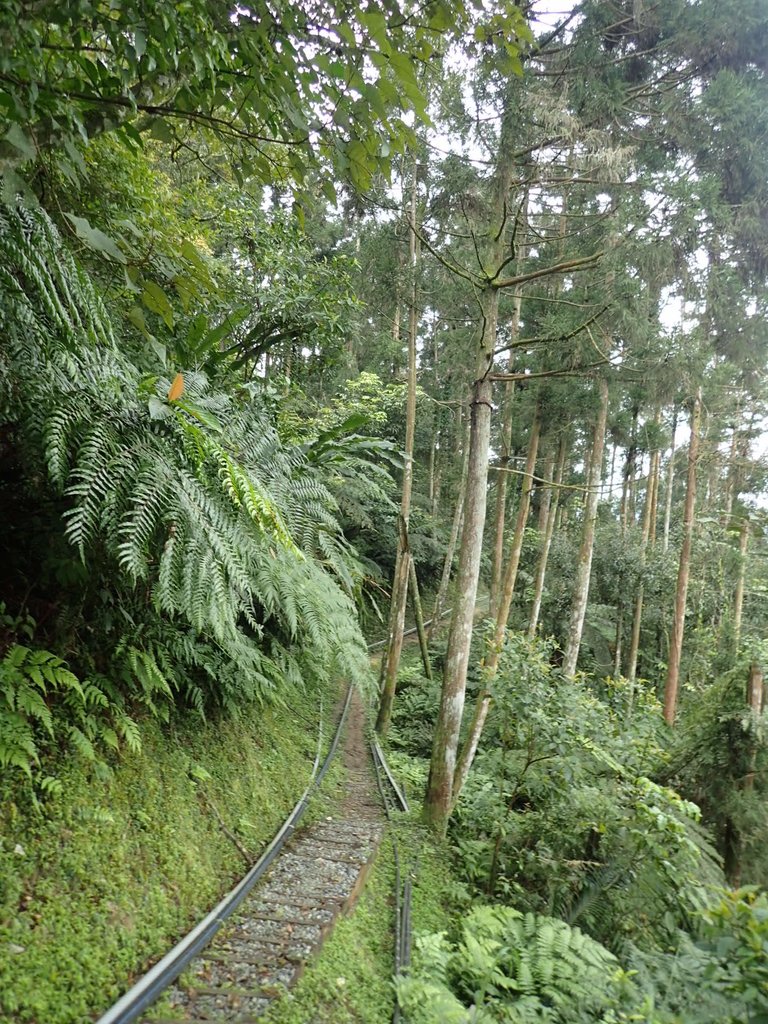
(320, 319)
(104, 871)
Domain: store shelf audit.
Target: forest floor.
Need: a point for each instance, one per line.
(285, 921)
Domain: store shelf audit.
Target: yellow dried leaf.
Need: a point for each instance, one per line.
(177, 388)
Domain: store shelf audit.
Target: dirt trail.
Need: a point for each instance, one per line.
(285, 920)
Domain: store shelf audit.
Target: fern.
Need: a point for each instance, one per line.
(33, 685)
(234, 536)
(517, 967)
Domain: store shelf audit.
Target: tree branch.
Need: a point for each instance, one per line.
(566, 267)
(525, 342)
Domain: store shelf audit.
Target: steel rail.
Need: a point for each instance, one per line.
(394, 799)
(147, 989)
(379, 754)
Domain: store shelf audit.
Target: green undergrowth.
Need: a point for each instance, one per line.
(351, 981)
(98, 882)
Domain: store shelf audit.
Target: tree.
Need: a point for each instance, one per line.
(285, 86)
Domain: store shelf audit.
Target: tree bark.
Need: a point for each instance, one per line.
(670, 482)
(445, 578)
(506, 443)
(553, 500)
(391, 662)
(584, 568)
(438, 802)
(678, 622)
(645, 540)
(501, 495)
(545, 495)
(510, 573)
(738, 599)
(418, 614)
(502, 614)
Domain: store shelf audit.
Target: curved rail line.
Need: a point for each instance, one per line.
(151, 985)
(167, 970)
(394, 799)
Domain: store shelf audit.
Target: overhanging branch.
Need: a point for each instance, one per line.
(565, 267)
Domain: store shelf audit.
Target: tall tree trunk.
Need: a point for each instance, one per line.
(645, 540)
(669, 487)
(734, 845)
(732, 479)
(391, 662)
(510, 573)
(501, 494)
(431, 472)
(627, 498)
(552, 500)
(450, 551)
(678, 622)
(502, 613)
(418, 615)
(506, 441)
(438, 802)
(584, 567)
(545, 492)
(738, 599)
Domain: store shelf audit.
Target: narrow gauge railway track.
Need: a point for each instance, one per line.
(305, 881)
(394, 800)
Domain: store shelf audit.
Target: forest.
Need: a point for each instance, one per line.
(324, 325)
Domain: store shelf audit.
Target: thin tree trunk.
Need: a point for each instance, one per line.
(502, 613)
(418, 615)
(618, 640)
(678, 622)
(438, 799)
(627, 498)
(545, 497)
(501, 499)
(584, 567)
(445, 578)
(501, 495)
(645, 540)
(655, 497)
(506, 444)
(731, 484)
(391, 663)
(670, 482)
(738, 600)
(431, 474)
(734, 843)
(553, 500)
(510, 572)
(438, 803)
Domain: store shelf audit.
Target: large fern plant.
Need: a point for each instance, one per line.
(219, 544)
(521, 968)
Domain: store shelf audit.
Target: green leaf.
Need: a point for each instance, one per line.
(155, 299)
(158, 410)
(136, 315)
(202, 415)
(160, 129)
(20, 141)
(95, 238)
